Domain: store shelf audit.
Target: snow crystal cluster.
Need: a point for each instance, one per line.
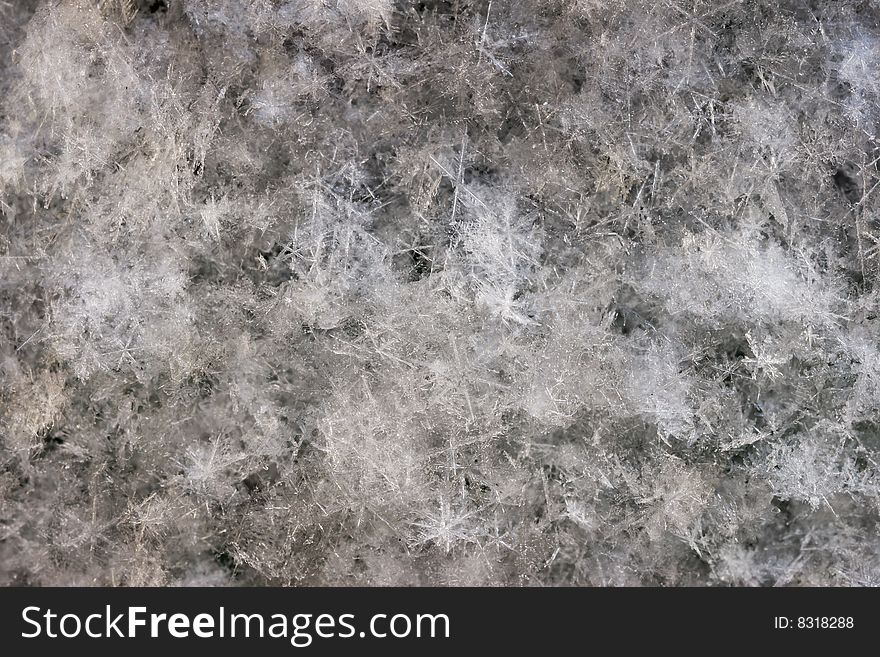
(451, 292)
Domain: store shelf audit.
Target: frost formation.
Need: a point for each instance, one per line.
(520, 292)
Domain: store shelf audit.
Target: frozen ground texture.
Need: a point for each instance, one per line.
(445, 292)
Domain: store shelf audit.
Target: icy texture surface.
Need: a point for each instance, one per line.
(442, 292)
